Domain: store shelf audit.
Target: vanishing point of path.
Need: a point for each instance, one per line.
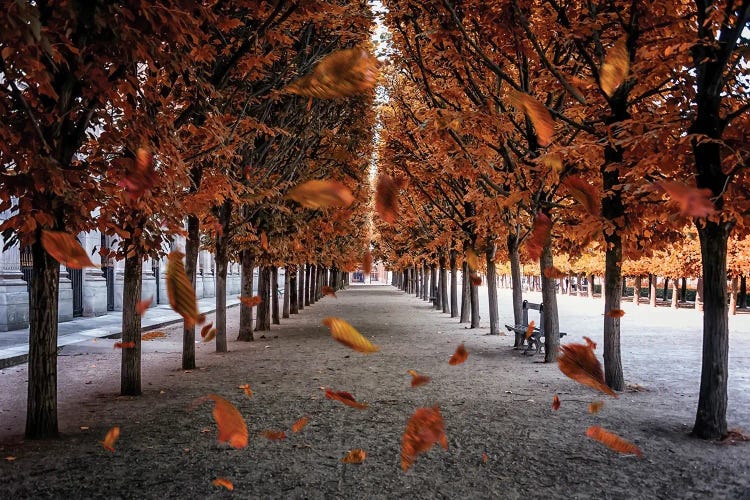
(497, 403)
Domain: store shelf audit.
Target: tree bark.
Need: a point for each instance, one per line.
(675, 293)
(263, 319)
(454, 284)
(222, 261)
(301, 285)
(699, 294)
(516, 281)
(652, 290)
(433, 286)
(465, 294)
(742, 299)
(683, 289)
(612, 290)
(192, 244)
(41, 403)
(308, 272)
(492, 286)
(286, 306)
(444, 285)
(590, 288)
(130, 366)
(664, 292)
(274, 288)
(549, 299)
(246, 290)
(637, 291)
(426, 284)
(474, 295)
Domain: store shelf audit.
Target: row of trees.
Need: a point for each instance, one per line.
(543, 131)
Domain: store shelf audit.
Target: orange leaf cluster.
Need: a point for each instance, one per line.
(345, 398)
(321, 194)
(343, 332)
(459, 356)
(472, 259)
(579, 362)
(423, 430)
(613, 441)
(355, 456)
(476, 280)
(180, 290)
(538, 237)
(66, 249)
(109, 439)
(344, 73)
(417, 379)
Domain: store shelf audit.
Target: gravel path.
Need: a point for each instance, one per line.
(497, 403)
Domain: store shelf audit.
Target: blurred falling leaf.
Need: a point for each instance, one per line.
(530, 329)
(345, 398)
(10, 458)
(300, 424)
(264, 241)
(537, 113)
(538, 237)
(459, 356)
(248, 391)
(355, 456)
(343, 73)
(386, 198)
(232, 427)
(346, 334)
(321, 194)
(417, 379)
(226, 483)
(251, 301)
(693, 202)
(615, 313)
(274, 435)
(206, 328)
(579, 362)
(66, 249)
(613, 441)
(595, 406)
(328, 290)
(584, 194)
(109, 439)
(556, 402)
(210, 335)
(472, 259)
(141, 178)
(553, 273)
(590, 342)
(615, 68)
(124, 345)
(180, 290)
(423, 430)
(367, 263)
(476, 280)
(153, 335)
(141, 306)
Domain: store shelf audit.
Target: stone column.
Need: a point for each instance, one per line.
(14, 294)
(64, 297)
(94, 282)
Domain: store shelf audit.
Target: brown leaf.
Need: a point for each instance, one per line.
(595, 406)
(693, 202)
(476, 280)
(386, 198)
(180, 290)
(300, 424)
(274, 435)
(537, 113)
(109, 439)
(615, 313)
(65, 249)
(553, 273)
(472, 259)
(328, 290)
(579, 362)
(355, 456)
(248, 391)
(251, 301)
(321, 194)
(423, 430)
(153, 335)
(530, 329)
(345, 398)
(485, 458)
(124, 345)
(343, 73)
(612, 441)
(584, 193)
(417, 379)
(615, 68)
(590, 342)
(232, 427)
(538, 237)
(141, 178)
(459, 356)
(556, 402)
(226, 483)
(343, 332)
(206, 328)
(141, 306)
(210, 335)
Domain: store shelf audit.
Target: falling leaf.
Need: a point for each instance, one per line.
(343, 73)
(141, 306)
(345, 398)
(476, 280)
(386, 198)
(10, 458)
(584, 193)
(355, 456)
(180, 290)
(110, 438)
(232, 427)
(417, 379)
(612, 441)
(329, 290)
(248, 391)
(538, 237)
(264, 241)
(615, 313)
(615, 67)
(210, 335)
(206, 328)
(530, 329)
(537, 113)
(153, 335)
(141, 178)
(693, 202)
(300, 424)
(459, 356)
(274, 435)
(579, 362)
(472, 259)
(66, 249)
(226, 483)
(345, 333)
(320, 194)
(556, 402)
(424, 428)
(595, 406)
(251, 301)
(367, 263)
(485, 458)
(590, 342)
(124, 345)
(553, 273)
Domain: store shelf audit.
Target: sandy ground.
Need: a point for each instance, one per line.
(497, 403)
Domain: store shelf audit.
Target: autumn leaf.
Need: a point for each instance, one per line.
(141, 178)
(595, 406)
(355, 456)
(459, 356)
(538, 237)
(345, 398)
(476, 280)
(226, 483)
(153, 335)
(590, 342)
(367, 263)
(343, 73)
(246, 388)
(124, 345)
(553, 273)
(417, 379)
(613, 441)
(66, 249)
(615, 313)
(584, 193)
(109, 439)
(386, 198)
(693, 202)
(328, 290)
(343, 332)
(141, 306)
(537, 113)
(530, 329)
(424, 428)
(274, 435)
(472, 259)
(321, 194)
(206, 328)
(556, 402)
(251, 301)
(300, 424)
(579, 362)
(615, 68)
(210, 335)
(264, 241)
(180, 290)
(232, 427)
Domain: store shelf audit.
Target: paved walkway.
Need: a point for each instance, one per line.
(14, 345)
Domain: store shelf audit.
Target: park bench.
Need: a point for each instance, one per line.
(534, 342)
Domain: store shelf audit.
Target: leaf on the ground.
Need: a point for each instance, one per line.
(556, 402)
(615, 313)
(66, 249)
(734, 436)
(180, 290)
(579, 362)
(300, 424)
(595, 406)
(538, 237)
(424, 428)
(417, 379)
(472, 259)
(355, 456)
(485, 458)
(386, 198)
(343, 73)
(367, 263)
(584, 194)
(124, 345)
(142, 305)
(537, 113)
(251, 301)
(345, 398)
(530, 329)
(321, 194)
(232, 427)
(210, 335)
(246, 388)
(615, 68)
(329, 290)
(142, 177)
(224, 482)
(153, 335)
(110, 438)
(206, 328)
(476, 280)
(274, 435)
(589, 342)
(343, 332)
(459, 356)
(693, 202)
(612, 441)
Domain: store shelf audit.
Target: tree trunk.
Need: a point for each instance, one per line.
(293, 303)
(612, 290)
(637, 291)
(192, 244)
(742, 299)
(263, 319)
(474, 295)
(590, 288)
(664, 292)
(444, 286)
(308, 272)
(683, 290)
(549, 299)
(733, 297)
(130, 366)
(675, 293)
(516, 283)
(285, 308)
(454, 284)
(274, 289)
(41, 403)
(426, 283)
(492, 287)
(433, 286)
(465, 294)
(652, 290)
(222, 260)
(699, 294)
(580, 285)
(246, 290)
(301, 285)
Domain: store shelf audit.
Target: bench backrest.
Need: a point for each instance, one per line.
(537, 307)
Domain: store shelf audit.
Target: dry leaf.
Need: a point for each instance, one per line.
(180, 290)
(612, 441)
(345, 398)
(141, 306)
(537, 113)
(417, 379)
(343, 73)
(346, 334)
(693, 202)
(153, 335)
(355, 456)
(615, 313)
(590, 342)
(579, 362)
(232, 427)
(124, 345)
(246, 388)
(251, 301)
(367, 263)
(386, 198)
(226, 483)
(423, 430)
(553, 273)
(459, 356)
(476, 280)
(141, 178)
(264, 241)
(472, 259)
(538, 237)
(584, 193)
(615, 68)
(206, 328)
(300, 424)
(109, 439)
(530, 329)
(210, 335)
(595, 406)
(274, 435)
(556, 402)
(329, 290)
(66, 249)
(321, 194)
(485, 458)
